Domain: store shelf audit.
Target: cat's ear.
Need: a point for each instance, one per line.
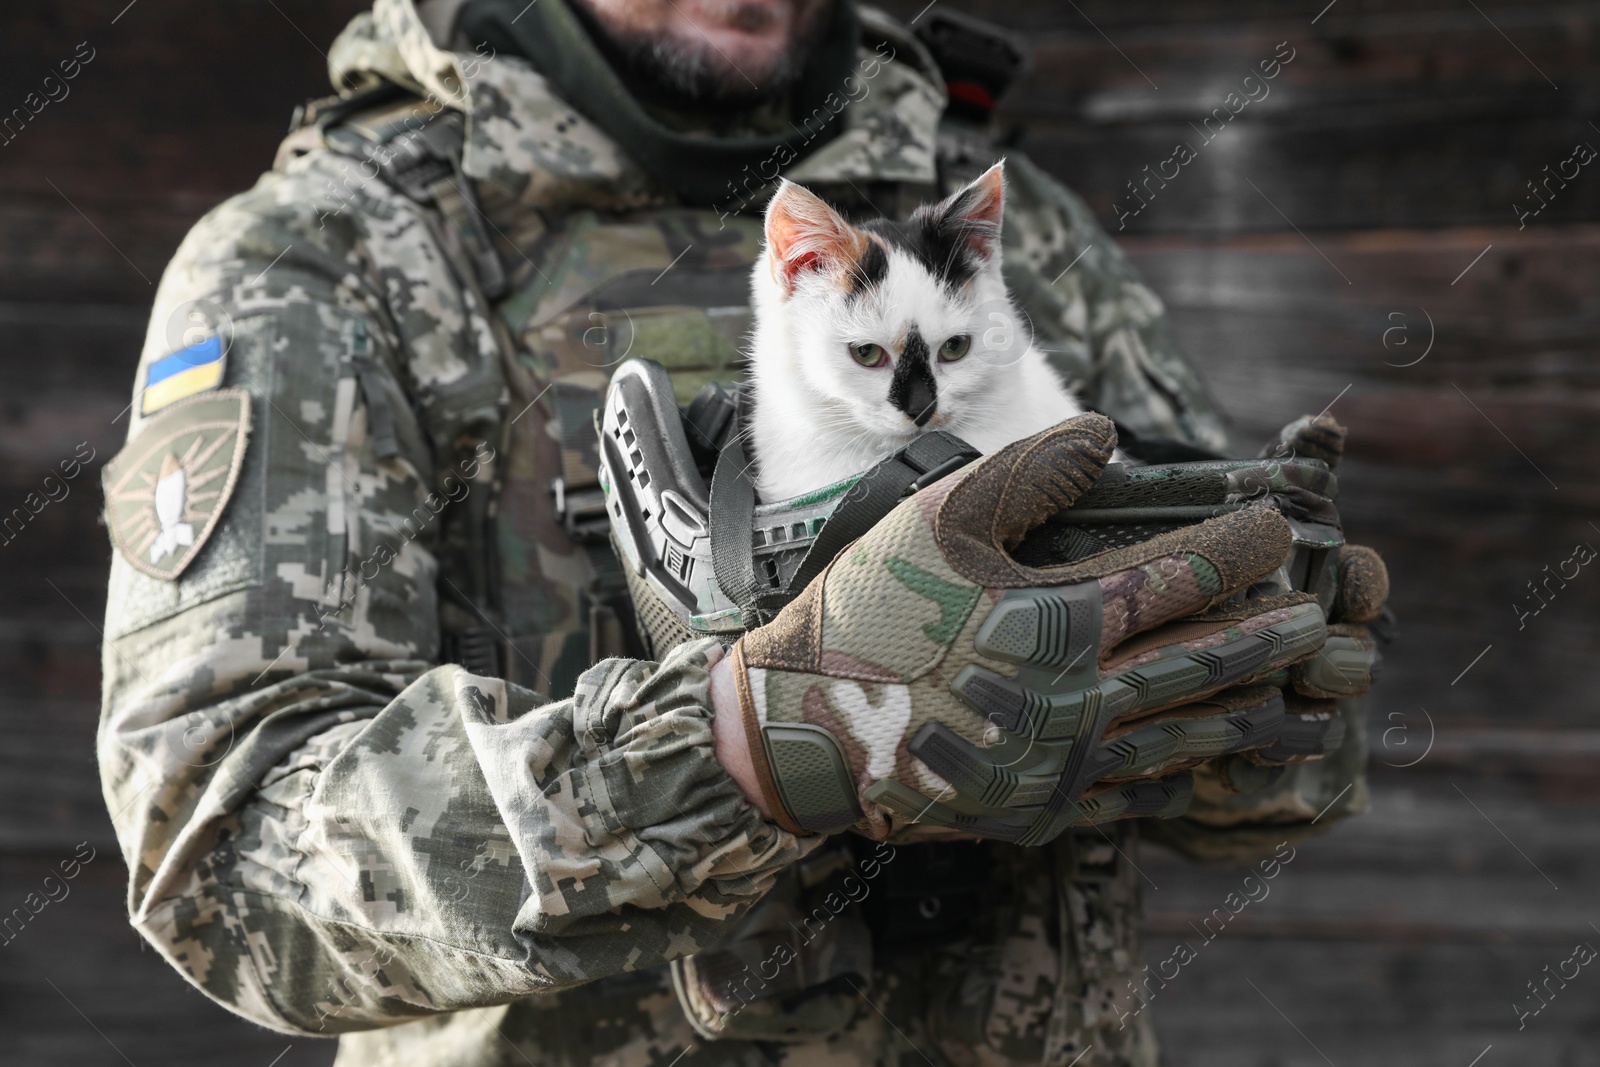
(804, 234)
(973, 214)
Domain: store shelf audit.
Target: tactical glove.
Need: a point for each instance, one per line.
(1353, 591)
(928, 677)
(1349, 661)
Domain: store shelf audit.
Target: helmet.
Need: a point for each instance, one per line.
(704, 557)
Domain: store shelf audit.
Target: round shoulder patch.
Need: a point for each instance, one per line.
(166, 489)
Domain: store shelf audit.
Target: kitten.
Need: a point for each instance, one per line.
(866, 336)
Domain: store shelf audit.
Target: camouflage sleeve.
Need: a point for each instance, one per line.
(1103, 328)
(326, 829)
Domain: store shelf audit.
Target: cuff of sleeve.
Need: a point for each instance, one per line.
(624, 803)
(658, 789)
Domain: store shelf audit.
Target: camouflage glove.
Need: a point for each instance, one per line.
(1353, 592)
(928, 677)
(1344, 668)
(1348, 663)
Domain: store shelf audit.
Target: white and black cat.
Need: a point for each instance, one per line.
(867, 335)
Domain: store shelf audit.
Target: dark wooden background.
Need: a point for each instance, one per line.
(1359, 196)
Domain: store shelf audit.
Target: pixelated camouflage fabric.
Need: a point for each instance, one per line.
(329, 830)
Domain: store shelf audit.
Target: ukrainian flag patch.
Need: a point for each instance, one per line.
(184, 373)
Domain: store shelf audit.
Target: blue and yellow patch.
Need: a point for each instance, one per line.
(184, 373)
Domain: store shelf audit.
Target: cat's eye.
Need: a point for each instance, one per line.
(954, 348)
(869, 354)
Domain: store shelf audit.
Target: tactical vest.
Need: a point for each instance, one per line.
(672, 283)
(595, 289)
(669, 283)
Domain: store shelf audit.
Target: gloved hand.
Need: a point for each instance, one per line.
(1348, 663)
(926, 676)
(1353, 589)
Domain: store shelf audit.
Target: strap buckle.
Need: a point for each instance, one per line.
(581, 512)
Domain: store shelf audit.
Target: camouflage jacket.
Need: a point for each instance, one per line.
(331, 827)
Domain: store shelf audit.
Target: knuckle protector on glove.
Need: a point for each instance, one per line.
(1235, 719)
(811, 776)
(1166, 798)
(1346, 667)
(1057, 714)
(1311, 729)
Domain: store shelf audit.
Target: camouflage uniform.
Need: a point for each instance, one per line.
(333, 825)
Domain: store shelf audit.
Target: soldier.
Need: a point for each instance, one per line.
(377, 763)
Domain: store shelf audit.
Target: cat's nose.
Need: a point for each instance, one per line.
(918, 398)
(912, 388)
(914, 391)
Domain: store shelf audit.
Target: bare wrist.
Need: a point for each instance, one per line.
(731, 742)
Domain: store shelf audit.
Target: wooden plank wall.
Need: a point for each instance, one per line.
(1351, 200)
(1372, 190)
(181, 105)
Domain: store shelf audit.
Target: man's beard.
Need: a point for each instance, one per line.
(699, 73)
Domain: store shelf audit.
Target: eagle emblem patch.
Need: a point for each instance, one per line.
(167, 488)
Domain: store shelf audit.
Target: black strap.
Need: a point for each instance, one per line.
(712, 413)
(733, 513)
(328, 110)
(1157, 451)
(919, 464)
(733, 503)
(380, 417)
